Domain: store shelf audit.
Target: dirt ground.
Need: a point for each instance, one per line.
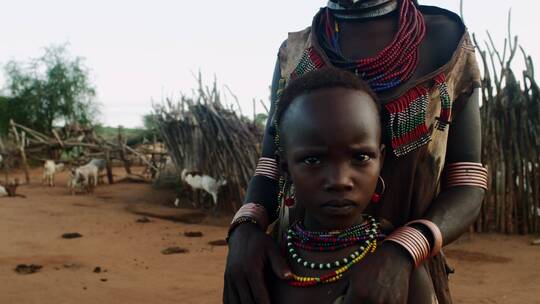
(489, 268)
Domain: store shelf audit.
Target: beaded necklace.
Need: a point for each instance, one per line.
(391, 66)
(364, 235)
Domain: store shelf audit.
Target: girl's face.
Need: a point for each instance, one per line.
(333, 155)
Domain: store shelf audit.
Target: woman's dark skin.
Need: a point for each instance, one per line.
(385, 275)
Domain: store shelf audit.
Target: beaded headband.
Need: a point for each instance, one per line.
(465, 174)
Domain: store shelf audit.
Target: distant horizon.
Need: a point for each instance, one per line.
(142, 52)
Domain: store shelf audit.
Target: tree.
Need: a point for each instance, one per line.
(50, 89)
(260, 120)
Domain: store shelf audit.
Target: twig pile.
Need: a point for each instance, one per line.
(202, 135)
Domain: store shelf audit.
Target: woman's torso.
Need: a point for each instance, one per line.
(412, 177)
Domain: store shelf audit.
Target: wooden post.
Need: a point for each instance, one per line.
(20, 142)
(123, 152)
(109, 166)
(23, 156)
(5, 161)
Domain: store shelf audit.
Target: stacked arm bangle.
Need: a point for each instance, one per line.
(465, 174)
(415, 242)
(249, 213)
(267, 167)
(252, 212)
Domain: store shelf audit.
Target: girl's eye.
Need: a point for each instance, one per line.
(311, 161)
(360, 158)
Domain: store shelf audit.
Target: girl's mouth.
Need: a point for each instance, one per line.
(339, 207)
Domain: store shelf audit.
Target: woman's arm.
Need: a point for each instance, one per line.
(261, 189)
(384, 276)
(455, 209)
(251, 250)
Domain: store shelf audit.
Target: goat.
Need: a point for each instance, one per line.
(83, 178)
(3, 192)
(204, 182)
(50, 168)
(101, 164)
(11, 189)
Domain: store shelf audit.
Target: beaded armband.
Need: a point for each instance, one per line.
(465, 174)
(249, 213)
(267, 167)
(415, 242)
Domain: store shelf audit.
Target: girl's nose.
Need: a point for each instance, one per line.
(339, 179)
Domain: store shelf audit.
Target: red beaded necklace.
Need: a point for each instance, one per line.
(391, 66)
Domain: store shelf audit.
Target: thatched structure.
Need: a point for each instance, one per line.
(511, 141)
(203, 135)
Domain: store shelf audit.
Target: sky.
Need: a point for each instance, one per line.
(140, 52)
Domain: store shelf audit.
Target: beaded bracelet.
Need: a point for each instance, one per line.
(249, 213)
(465, 174)
(238, 222)
(267, 167)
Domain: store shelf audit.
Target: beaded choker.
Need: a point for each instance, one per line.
(364, 12)
(365, 236)
(391, 66)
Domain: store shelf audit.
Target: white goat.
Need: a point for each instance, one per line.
(204, 182)
(50, 168)
(101, 164)
(84, 177)
(3, 192)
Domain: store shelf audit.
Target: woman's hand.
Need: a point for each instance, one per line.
(382, 277)
(250, 252)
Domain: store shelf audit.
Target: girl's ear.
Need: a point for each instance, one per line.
(282, 164)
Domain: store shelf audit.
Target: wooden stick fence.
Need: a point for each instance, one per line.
(511, 140)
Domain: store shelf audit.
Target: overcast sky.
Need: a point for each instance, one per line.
(140, 51)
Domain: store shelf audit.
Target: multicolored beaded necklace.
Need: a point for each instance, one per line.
(364, 235)
(391, 66)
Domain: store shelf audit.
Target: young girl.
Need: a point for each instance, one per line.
(329, 179)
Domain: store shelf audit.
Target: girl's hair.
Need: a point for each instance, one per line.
(325, 78)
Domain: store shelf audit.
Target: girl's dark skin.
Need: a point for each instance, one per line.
(386, 274)
(334, 165)
(335, 174)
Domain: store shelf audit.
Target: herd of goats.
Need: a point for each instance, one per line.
(84, 179)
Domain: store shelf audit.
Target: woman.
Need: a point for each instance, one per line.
(421, 63)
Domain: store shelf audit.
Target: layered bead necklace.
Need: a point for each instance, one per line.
(391, 66)
(364, 235)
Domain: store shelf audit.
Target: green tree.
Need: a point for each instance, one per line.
(150, 123)
(260, 119)
(54, 88)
